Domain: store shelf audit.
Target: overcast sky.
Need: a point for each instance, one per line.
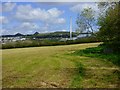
(27, 18)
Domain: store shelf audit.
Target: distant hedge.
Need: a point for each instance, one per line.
(37, 43)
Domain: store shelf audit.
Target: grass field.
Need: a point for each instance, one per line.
(56, 67)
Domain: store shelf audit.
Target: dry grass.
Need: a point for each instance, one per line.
(53, 66)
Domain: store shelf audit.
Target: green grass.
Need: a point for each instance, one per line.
(76, 82)
(99, 53)
(56, 67)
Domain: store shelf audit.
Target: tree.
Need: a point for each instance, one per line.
(85, 20)
(110, 26)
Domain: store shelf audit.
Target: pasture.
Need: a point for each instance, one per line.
(56, 67)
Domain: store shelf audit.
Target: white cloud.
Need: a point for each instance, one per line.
(3, 31)
(79, 7)
(3, 20)
(54, 12)
(24, 28)
(28, 26)
(64, 30)
(0, 7)
(9, 6)
(28, 19)
(60, 20)
(28, 13)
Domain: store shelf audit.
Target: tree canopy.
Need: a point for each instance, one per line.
(85, 20)
(110, 26)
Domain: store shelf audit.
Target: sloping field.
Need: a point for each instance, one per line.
(56, 67)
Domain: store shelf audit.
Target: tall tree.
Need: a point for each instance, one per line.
(85, 20)
(110, 26)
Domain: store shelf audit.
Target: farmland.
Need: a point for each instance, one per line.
(56, 67)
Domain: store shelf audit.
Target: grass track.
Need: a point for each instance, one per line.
(55, 66)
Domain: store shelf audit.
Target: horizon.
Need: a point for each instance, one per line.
(35, 32)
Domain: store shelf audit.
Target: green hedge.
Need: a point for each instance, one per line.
(36, 43)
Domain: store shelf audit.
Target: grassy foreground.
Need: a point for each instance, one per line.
(56, 66)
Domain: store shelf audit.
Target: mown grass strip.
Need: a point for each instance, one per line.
(79, 75)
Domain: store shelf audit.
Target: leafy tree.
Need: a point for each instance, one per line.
(85, 20)
(110, 26)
